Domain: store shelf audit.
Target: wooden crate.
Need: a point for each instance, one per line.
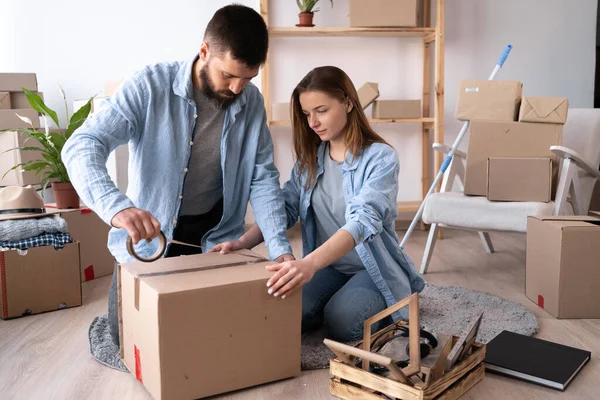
(351, 379)
(355, 383)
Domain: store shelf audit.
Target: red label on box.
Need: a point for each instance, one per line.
(3, 284)
(138, 364)
(540, 300)
(89, 272)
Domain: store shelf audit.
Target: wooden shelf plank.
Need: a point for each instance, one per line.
(377, 121)
(348, 31)
(408, 206)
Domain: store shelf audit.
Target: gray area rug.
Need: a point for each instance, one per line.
(444, 309)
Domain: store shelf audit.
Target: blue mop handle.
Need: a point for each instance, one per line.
(450, 155)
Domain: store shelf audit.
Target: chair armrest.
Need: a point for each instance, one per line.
(443, 148)
(565, 152)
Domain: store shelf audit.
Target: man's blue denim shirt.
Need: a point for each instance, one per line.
(154, 112)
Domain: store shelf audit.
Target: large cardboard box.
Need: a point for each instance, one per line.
(280, 112)
(367, 94)
(488, 100)
(552, 110)
(9, 119)
(19, 99)
(562, 272)
(86, 227)
(384, 13)
(507, 139)
(14, 82)
(201, 325)
(5, 103)
(43, 279)
(8, 159)
(384, 109)
(519, 179)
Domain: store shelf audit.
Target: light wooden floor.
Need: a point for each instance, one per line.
(47, 356)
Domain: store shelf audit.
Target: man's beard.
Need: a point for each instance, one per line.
(218, 98)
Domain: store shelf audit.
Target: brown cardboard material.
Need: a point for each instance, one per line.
(384, 13)
(280, 112)
(41, 280)
(562, 273)
(519, 179)
(552, 110)
(201, 325)
(507, 139)
(19, 99)
(14, 82)
(367, 94)
(495, 100)
(86, 227)
(385, 109)
(8, 159)
(9, 119)
(5, 101)
(111, 87)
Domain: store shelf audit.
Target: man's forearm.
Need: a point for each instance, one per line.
(252, 238)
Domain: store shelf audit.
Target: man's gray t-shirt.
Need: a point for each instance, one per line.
(329, 206)
(203, 185)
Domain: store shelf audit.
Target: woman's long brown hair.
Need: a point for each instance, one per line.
(358, 132)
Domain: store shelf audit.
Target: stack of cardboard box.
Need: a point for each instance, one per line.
(509, 157)
(368, 94)
(12, 102)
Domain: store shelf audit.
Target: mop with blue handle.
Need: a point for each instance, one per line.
(450, 155)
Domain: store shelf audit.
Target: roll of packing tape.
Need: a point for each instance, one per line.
(162, 246)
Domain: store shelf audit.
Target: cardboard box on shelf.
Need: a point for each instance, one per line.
(552, 110)
(19, 99)
(488, 100)
(5, 101)
(507, 139)
(43, 279)
(86, 227)
(281, 112)
(519, 179)
(8, 159)
(15, 82)
(367, 94)
(111, 87)
(562, 273)
(392, 109)
(202, 325)
(9, 119)
(384, 13)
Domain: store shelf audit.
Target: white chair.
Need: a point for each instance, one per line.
(580, 155)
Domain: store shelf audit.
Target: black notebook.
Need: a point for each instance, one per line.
(535, 360)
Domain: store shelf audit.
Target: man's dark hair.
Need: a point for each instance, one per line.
(241, 31)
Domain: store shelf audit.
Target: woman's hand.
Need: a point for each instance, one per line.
(227, 247)
(289, 276)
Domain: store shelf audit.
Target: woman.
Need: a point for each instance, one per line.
(343, 188)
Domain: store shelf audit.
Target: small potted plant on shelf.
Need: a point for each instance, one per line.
(49, 146)
(307, 11)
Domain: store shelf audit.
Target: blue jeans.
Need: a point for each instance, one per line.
(341, 303)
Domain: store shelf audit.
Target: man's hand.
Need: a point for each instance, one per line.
(289, 276)
(227, 247)
(139, 224)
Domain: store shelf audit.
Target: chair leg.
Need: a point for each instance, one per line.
(433, 233)
(487, 242)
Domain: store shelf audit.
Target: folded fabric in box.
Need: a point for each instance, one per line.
(17, 229)
(58, 240)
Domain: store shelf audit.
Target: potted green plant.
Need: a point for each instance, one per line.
(307, 10)
(49, 145)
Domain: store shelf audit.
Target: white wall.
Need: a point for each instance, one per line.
(81, 46)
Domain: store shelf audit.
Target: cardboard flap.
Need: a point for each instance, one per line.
(567, 218)
(544, 106)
